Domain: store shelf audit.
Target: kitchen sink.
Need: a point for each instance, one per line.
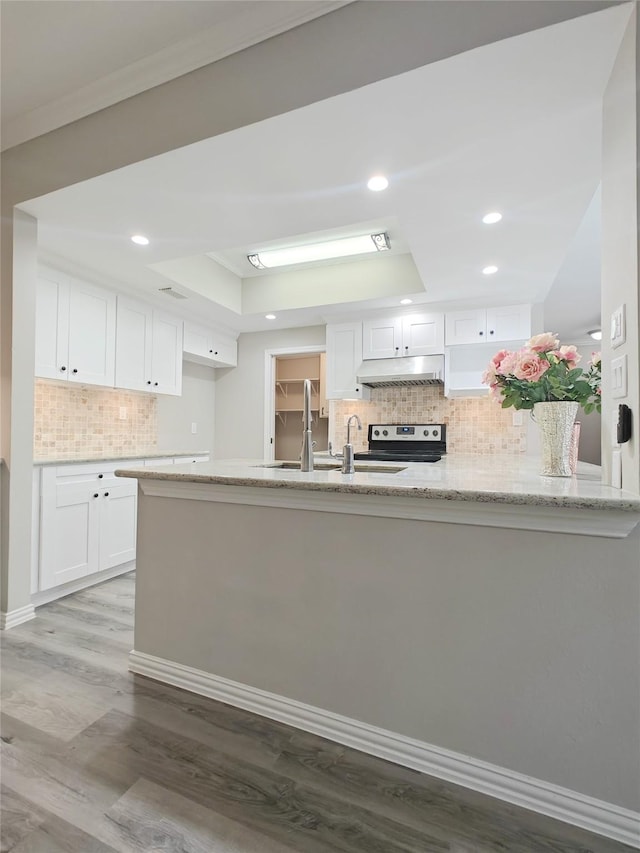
(336, 466)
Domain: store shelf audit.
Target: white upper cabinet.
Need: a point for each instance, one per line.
(148, 349)
(204, 346)
(411, 334)
(507, 323)
(344, 355)
(75, 330)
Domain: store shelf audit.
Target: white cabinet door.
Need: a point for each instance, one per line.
(92, 334)
(52, 325)
(118, 505)
(166, 356)
(465, 327)
(148, 349)
(475, 326)
(207, 347)
(197, 341)
(224, 352)
(344, 355)
(422, 334)
(69, 531)
(75, 330)
(134, 329)
(382, 338)
(509, 323)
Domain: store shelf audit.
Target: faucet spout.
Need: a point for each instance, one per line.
(348, 466)
(306, 455)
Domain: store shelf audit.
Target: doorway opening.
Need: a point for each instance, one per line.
(286, 372)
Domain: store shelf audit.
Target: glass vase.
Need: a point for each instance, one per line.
(555, 421)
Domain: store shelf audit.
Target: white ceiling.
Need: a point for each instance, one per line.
(514, 126)
(62, 59)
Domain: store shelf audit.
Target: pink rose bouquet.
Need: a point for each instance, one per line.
(543, 371)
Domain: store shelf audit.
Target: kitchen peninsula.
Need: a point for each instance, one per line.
(451, 617)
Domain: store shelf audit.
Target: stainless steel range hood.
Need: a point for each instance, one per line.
(412, 370)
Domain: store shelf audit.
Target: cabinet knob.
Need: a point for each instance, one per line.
(481, 333)
(397, 348)
(210, 350)
(148, 382)
(63, 368)
(491, 332)
(106, 494)
(95, 495)
(100, 476)
(407, 347)
(155, 383)
(75, 370)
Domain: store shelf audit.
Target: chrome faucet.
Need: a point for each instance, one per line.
(347, 451)
(306, 455)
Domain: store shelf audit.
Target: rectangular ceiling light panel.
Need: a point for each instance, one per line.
(342, 248)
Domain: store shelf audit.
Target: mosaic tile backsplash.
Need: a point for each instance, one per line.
(73, 421)
(474, 424)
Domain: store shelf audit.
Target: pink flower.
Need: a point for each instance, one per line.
(498, 357)
(529, 365)
(495, 392)
(596, 359)
(489, 376)
(508, 364)
(569, 354)
(543, 343)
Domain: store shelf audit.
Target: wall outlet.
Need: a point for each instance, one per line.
(619, 377)
(194, 428)
(123, 413)
(618, 327)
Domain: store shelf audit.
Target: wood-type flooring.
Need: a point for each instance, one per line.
(96, 760)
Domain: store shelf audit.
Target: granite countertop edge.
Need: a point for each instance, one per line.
(161, 454)
(521, 494)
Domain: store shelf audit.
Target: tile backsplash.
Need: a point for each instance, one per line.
(474, 424)
(73, 421)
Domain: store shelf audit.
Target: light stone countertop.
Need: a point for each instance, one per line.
(500, 479)
(150, 454)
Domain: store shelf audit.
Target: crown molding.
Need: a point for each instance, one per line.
(174, 61)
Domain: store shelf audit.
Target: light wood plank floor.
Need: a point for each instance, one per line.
(96, 760)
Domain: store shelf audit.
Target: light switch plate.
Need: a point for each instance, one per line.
(619, 376)
(618, 327)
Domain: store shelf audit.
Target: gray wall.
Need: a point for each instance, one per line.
(196, 405)
(620, 245)
(240, 390)
(517, 647)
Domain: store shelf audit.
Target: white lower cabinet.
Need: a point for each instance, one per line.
(87, 522)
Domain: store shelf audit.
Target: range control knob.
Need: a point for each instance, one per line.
(376, 432)
(426, 432)
(384, 432)
(435, 433)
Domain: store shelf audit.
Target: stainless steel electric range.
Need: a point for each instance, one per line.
(405, 443)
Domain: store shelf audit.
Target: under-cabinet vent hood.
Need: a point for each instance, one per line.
(412, 370)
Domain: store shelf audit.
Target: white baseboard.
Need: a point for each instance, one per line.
(543, 797)
(16, 617)
(47, 595)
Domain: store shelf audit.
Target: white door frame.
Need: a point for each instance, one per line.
(270, 391)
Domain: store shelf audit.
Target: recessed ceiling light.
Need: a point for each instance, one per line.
(490, 270)
(140, 240)
(269, 316)
(341, 248)
(596, 334)
(377, 183)
(406, 301)
(492, 218)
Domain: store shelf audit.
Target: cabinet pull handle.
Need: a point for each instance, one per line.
(63, 368)
(95, 495)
